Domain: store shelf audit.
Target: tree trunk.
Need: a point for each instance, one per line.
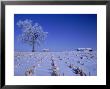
(33, 49)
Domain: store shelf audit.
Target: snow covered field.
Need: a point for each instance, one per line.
(68, 63)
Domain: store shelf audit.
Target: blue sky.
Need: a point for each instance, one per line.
(65, 31)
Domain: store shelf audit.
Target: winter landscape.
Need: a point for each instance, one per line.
(55, 45)
(73, 63)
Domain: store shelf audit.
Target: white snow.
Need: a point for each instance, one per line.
(60, 63)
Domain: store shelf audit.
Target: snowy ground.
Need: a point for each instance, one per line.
(72, 63)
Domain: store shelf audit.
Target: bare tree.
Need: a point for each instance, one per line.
(32, 33)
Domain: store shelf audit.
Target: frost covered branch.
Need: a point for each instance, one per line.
(32, 33)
